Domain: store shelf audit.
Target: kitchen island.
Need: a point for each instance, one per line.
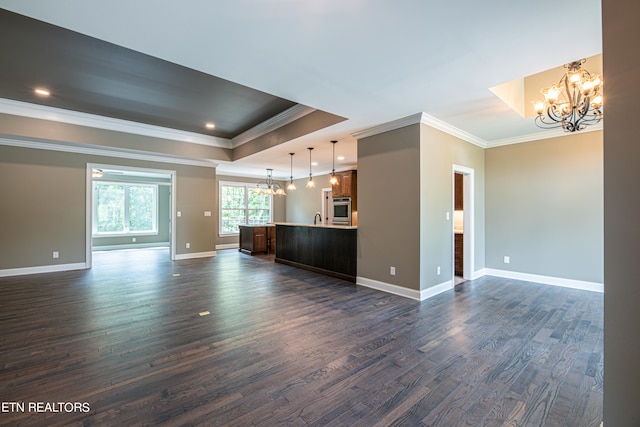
(325, 249)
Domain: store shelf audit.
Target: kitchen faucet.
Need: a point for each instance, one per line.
(316, 217)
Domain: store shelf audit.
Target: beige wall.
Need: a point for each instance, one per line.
(544, 207)
(621, 206)
(389, 207)
(25, 128)
(439, 151)
(405, 189)
(43, 206)
(303, 203)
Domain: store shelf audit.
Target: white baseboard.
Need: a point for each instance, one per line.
(547, 280)
(164, 245)
(42, 269)
(228, 246)
(435, 290)
(402, 291)
(479, 273)
(195, 255)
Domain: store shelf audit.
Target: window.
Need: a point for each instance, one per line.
(124, 208)
(240, 205)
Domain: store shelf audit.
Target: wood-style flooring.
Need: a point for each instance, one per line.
(284, 346)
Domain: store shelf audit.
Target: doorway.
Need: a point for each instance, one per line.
(129, 208)
(462, 224)
(327, 206)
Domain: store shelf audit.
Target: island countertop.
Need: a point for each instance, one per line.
(296, 224)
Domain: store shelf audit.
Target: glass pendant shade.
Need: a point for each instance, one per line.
(291, 185)
(334, 179)
(310, 183)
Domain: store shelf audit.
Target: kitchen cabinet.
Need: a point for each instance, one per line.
(346, 186)
(458, 264)
(330, 250)
(459, 192)
(256, 239)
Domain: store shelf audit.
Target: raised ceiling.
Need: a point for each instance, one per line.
(368, 61)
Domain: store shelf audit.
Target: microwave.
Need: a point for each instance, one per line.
(341, 211)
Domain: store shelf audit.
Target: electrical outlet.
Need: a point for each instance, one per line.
(178, 214)
(507, 260)
(188, 245)
(392, 271)
(438, 270)
(133, 239)
(448, 216)
(56, 254)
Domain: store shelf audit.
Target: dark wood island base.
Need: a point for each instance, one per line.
(329, 250)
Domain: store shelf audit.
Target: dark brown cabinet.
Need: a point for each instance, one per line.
(327, 250)
(257, 239)
(459, 192)
(346, 186)
(458, 264)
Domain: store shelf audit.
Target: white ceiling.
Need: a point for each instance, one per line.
(372, 61)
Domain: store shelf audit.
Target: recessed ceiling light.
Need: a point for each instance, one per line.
(340, 157)
(42, 92)
(209, 125)
(314, 164)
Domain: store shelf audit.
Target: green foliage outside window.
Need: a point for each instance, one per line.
(125, 208)
(240, 205)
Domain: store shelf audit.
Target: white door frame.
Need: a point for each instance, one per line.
(327, 202)
(468, 216)
(89, 205)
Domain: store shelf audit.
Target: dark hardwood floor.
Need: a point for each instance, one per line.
(283, 346)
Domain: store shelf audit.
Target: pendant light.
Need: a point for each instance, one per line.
(291, 185)
(334, 178)
(310, 183)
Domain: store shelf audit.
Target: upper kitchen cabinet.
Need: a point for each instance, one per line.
(346, 186)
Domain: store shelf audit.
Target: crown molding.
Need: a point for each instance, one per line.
(551, 133)
(428, 120)
(433, 122)
(107, 152)
(425, 119)
(389, 126)
(43, 112)
(290, 115)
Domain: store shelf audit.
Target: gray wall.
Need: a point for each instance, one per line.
(279, 206)
(544, 207)
(44, 202)
(389, 207)
(303, 202)
(405, 189)
(621, 207)
(439, 151)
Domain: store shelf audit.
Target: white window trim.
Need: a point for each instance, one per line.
(249, 187)
(95, 233)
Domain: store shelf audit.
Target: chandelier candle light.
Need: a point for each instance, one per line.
(576, 108)
(310, 183)
(272, 187)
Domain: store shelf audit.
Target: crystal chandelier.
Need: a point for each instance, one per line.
(269, 186)
(579, 106)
